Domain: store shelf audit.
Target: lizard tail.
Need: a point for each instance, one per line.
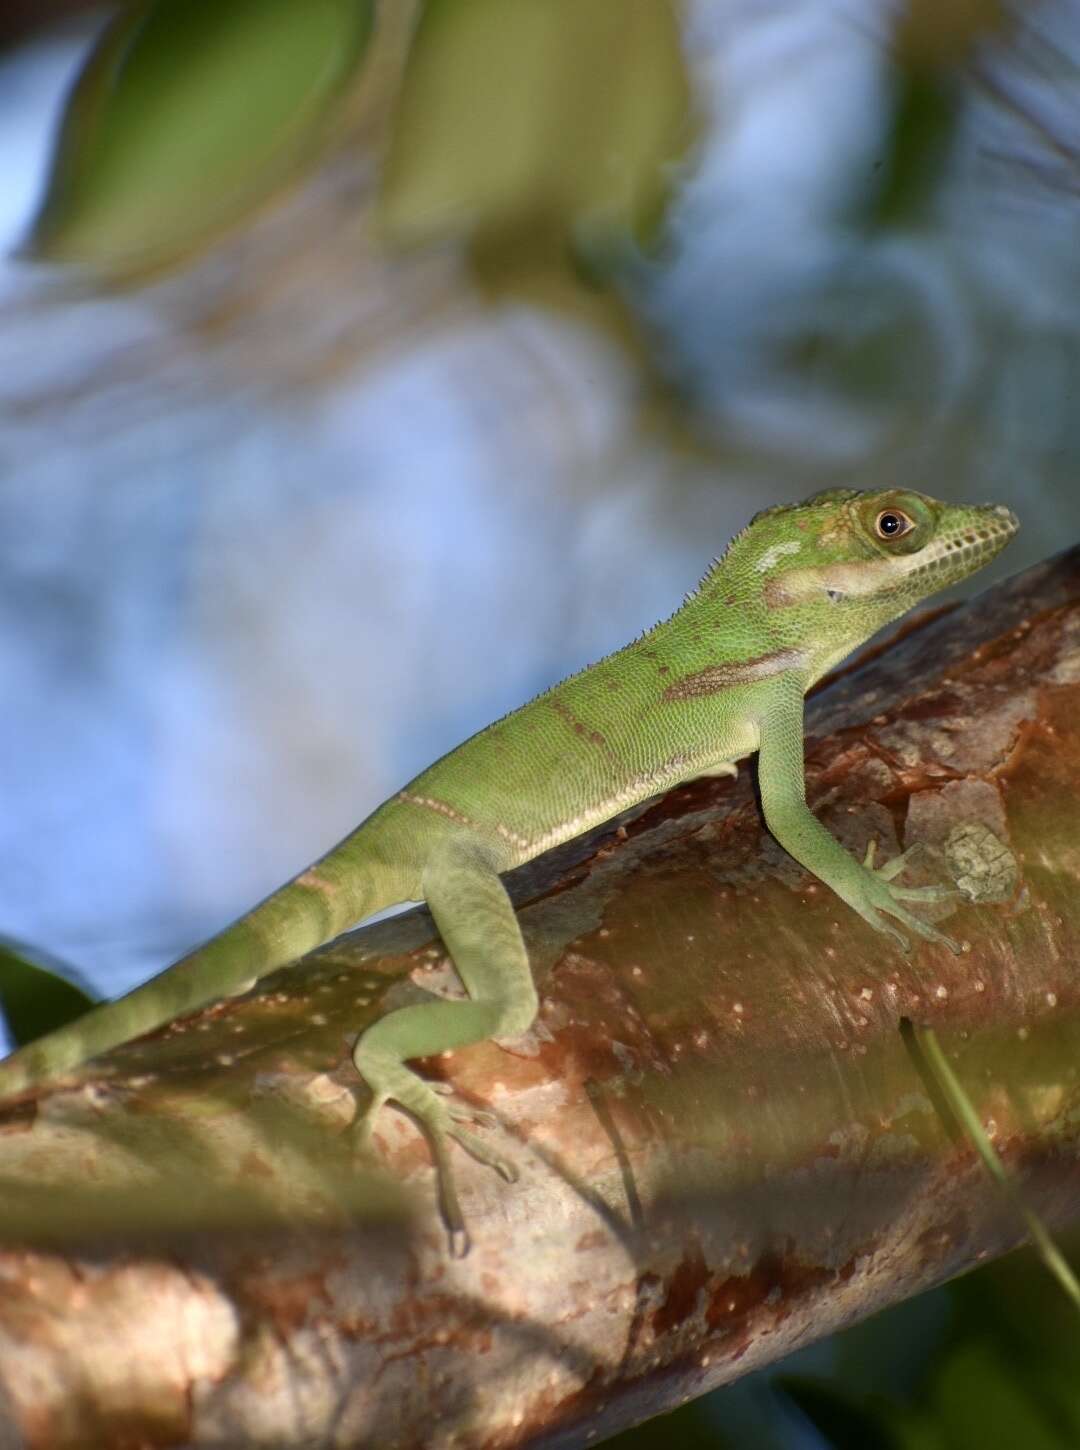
(320, 903)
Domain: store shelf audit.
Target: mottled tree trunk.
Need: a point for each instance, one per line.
(726, 1148)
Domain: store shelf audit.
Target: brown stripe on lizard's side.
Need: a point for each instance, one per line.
(733, 672)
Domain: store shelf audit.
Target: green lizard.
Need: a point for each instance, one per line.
(794, 593)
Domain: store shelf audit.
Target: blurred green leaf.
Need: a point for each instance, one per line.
(842, 1422)
(983, 1397)
(522, 113)
(1032, 1326)
(36, 998)
(1016, 1302)
(930, 42)
(185, 116)
(925, 113)
(1005, 1375)
(690, 1427)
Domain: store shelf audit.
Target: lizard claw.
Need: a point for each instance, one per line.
(891, 868)
(478, 1149)
(463, 1112)
(438, 1120)
(903, 943)
(459, 1241)
(466, 1113)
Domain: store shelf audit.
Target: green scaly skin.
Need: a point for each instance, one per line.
(795, 592)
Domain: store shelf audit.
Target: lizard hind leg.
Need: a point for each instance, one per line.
(480, 931)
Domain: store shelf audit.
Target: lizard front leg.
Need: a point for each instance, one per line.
(480, 931)
(869, 891)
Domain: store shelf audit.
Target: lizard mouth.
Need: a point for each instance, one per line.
(972, 544)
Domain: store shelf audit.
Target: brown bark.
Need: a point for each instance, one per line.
(726, 1148)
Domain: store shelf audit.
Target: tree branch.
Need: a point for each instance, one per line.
(726, 1148)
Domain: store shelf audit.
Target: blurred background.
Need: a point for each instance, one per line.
(363, 371)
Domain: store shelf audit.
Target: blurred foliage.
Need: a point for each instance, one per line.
(691, 1427)
(934, 34)
(926, 107)
(194, 1155)
(35, 997)
(522, 113)
(842, 1422)
(929, 43)
(1006, 1375)
(514, 117)
(186, 115)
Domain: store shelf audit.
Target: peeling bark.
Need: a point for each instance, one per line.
(726, 1150)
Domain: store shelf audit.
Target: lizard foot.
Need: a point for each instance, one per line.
(439, 1127)
(439, 1121)
(464, 1112)
(892, 869)
(880, 898)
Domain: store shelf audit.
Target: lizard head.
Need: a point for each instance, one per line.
(857, 560)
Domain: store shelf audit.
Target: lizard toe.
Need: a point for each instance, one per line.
(490, 1157)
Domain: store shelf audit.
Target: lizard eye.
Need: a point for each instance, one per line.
(893, 524)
